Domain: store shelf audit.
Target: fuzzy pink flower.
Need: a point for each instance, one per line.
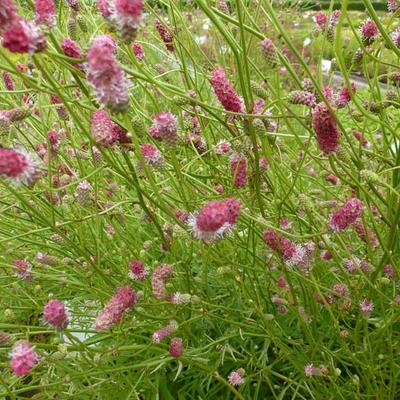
(361, 138)
(346, 215)
(321, 19)
(138, 51)
(393, 5)
(45, 12)
(22, 269)
(74, 4)
(344, 96)
(326, 129)
(269, 52)
(332, 179)
(176, 347)
(396, 37)
(367, 306)
(106, 76)
(388, 270)
(24, 37)
(123, 299)
(8, 81)
(236, 378)
(102, 129)
(164, 128)
(55, 314)
(225, 92)
(160, 275)
(310, 370)
(369, 31)
(165, 36)
(239, 170)
(83, 193)
(105, 8)
(164, 332)
(151, 155)
(45, 259)
(61, 111)
(127, 15)
(8, 14)
(215, 219)
(222, 148)
(17, 166)
(137, 271)
(293, 254)
(366, 236)
(23, 358)
(71, 49)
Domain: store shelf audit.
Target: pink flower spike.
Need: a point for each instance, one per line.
(225, 92)
(138, 51)
(102, 129)
(137, 271)
(176, 347)
(367, 306)
(236, 378)
(23, 358)
(369, 31)
(45, 12)
(239, 170)
(162, 273)
(164, 332)
(346, 215)
(55, 314)
(127, 15)
(8, 14)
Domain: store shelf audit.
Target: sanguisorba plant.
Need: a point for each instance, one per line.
(194, 206)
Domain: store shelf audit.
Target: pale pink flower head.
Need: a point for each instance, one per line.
(164, 128)
(162, 273)
(369, 31)
(8, 81)
(18, 166)
(326, 129)
(176, 347)
(332, 179)
(22, 269)
(165, 36)
(367, 306)
(165, 331)
(346, 215)
(368, 236)
(123, 299)
(269, 52)
(236, 378)
(222, 148)
(396, 37)
(225, 92)
(182, 216)
(321, 19)
(106, 76)
(361, 138)
(334, 17)
(137, 271)
(127, 15)
(232, 210)
(71, 49)
(393, 5)
(55, 314)
(105, 8)
(293, 254)
(74, 4)
(138, 51)
(24, 37)
(344, 96)
(239, 170)
(102, 129)
(23, 358)
(151, 155)
(310, 370)
(8, 14)
(45, 12)
(388, 270)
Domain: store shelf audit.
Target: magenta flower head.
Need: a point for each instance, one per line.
(105, 8)
(45, 12)
(176, 347)
(18, 166)
(344, 96)
(393, 5)
(8, 14)
(164, 332)
(165, 36)
(293, 254)
(22, 269)
(71, 49)
(369, 31)
(74, 4)
(321, 19)
(24, 37)
(269, 52)
(123, 299)
(23, 358)
(225, 92)
(326, 129)
(102, 129)
(8, 81)
(55, 314)
(138, 51)
(127, 17)
(367, 236)
(137, 271)
(367, 306)
(346, 215)
(162, 273)
(151, 155)
(164, 128)
(239, 170)
(236, 378)
(215, 219)
(396, 37)
(106, 76)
